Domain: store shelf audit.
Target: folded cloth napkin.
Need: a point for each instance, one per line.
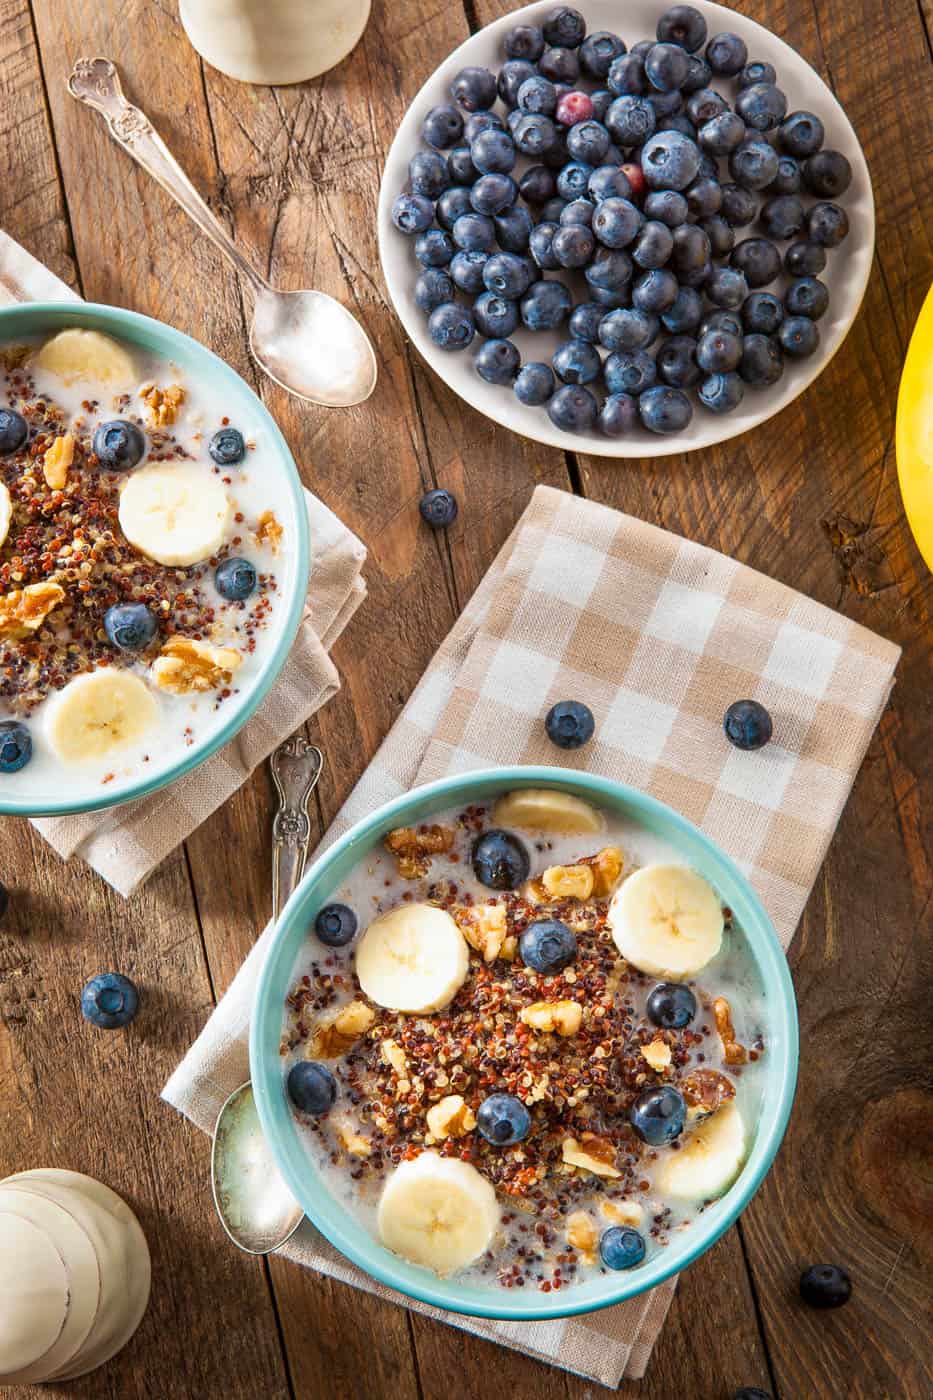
(658, 636)
(125, 844)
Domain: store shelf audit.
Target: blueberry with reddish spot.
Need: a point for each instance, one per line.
(14, 430)
(109, 1001)
(503, 1120)
(336, 925)
(621, 1247)
(574, 107)
(500, 860)
(548, 946)
(312, 1088)
(747, 725)
(825, 1286)
(121, 445)
(438, 508)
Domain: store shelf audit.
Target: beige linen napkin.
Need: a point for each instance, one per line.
(657, 635)
(125, 844)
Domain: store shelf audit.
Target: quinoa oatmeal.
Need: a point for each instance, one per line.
(522, 1043)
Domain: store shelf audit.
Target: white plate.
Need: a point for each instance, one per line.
(846, 273)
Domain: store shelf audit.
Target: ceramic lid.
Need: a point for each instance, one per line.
(33, 1294)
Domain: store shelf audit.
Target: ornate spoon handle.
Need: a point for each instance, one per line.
(296, 767)
(96, 82)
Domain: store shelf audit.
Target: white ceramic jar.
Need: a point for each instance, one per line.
(274, 41)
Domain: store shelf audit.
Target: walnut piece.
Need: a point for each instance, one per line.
(184, 665)
(591, 1154)
(732, 1052)
(623, 1212)
(484, 928)
(606, 866)
(163, 404)
(658, 1054)
(269, 531)
(509, 948)
(450, 1118)
(564, 1017)
(581, 1233)
(568, 881)
(58, 458)
(334, 1037)
(394, 1055)
(25, 609)
(704, 1091)
(413, 849)
(352, 1141)
(533, 892)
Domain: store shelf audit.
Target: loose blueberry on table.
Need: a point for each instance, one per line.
(825, 1286)
(438, 508)
(109, 1001)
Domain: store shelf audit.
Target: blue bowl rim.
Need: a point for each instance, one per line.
(373, 1258)
(99, 316)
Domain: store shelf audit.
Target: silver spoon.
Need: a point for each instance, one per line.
(305, 341)
(256, 1208)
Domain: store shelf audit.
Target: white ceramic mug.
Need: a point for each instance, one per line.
(274, 41)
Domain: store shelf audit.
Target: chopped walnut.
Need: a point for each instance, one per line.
(591, 1154)
(733, 1053)
(581, 1233)
(335, 1037)
(705, 1090)
(394, 1055)
(484, 928)
(58, 458)
(509, 948)
(568, 881)
(163, 404)
(25, 609)
(658, 1054)
(533, 892)
(413, 849)
(564, 1017)
(451, 1117)
(352, 1141)
(269, 531)
(623, 1212)
(184, 665)
(606, 866)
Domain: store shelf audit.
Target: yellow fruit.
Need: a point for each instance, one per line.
(914, 432)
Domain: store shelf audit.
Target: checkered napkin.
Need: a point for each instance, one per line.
(657, 635)
(125, 844)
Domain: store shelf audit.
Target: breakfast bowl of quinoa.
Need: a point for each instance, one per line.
(154, 556)
(524, 1043)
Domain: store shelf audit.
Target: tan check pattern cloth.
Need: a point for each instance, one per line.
(657, 635)
(125, 844)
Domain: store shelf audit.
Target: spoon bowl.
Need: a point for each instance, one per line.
(256, 1208)
(313, 347)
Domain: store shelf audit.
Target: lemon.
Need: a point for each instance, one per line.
(914, 431)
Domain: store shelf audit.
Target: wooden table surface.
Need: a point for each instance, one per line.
(811, 498)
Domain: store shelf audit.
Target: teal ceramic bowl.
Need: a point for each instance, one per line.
(336, 1222)
(41, 318)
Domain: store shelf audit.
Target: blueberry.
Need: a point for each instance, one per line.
(609, 276)
(669, 161)
(804, 260)
(545, 306)
(671, 1005)
(691, 248)
(655, 291)
(577, 362)
(704, 198)
(616, 222)
(618, 415)
(718, 351)
(461, 167)
(658, 1115)
(524, 41)
(578, 211)
(508, 275)
(762, 313)
(466, 271)
(621, 1247)
(335, 925)
(428, 174)
(450, 206)
(756, 72)
(799, 337)
(720, 234)
(599, 52)
(757, 260)
(120, 445)
(641, 48)
(573, 409)
(677, 362)
(801, 134)
(789, 177)
(588, 142)
(498, 361)
(747, 724)
(534, 135)
(548, 946)
(474, 233)
(556, 157)
(608, 182)
(534, 384)
(15, 746)
(729, 321)
(699, 75)
(511, 76)
(721, 135)
(412, 213)
(685, 315)
(434, 248)
(541, 245)
(626, 77)
(629, 372)
(560, 65)
(478, 122)
(697, 276)
(631, 120)
(682, 25)
(628, 329)
(442, 127)
(495, 316)
(721, 393)
(493, 152)
(474, 89)
(573, 180)
(783, 217)
(827, 174)
(552, 211)
(761, 106)
(500, 861)
(439, 509)
(503, 1120)
(754, 164)
(537, 185)
(131, 626)
(513, 229)
(827, 225)
(806, 296)
(493, 193)
(451, 326)
(312, 1088)
(538, 95)
(825, 1286)
(726, 54)
(666, 67)
(227, 447)
(573, 245)
(109, 1001)
(739, 207)
(761, 364)
(564, 26)
(14, 430)
(667, 206)
(664, 410)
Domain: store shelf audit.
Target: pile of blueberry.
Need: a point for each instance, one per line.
(640, 174)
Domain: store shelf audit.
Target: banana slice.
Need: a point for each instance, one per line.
(412, 959)
(709, 1158)
(544, 809)
(666, 921)
(76, 355)
(438, 1212)
(98, 713)
(176, 513)
(6, 512)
